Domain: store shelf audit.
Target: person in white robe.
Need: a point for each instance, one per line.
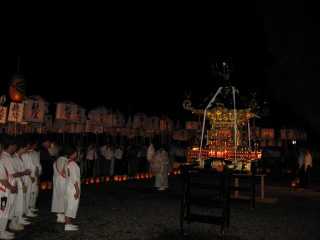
(118, 155)
(150, 155)
(72, 193)
(109, 156)
(59, 187)
(29, 181)
(21, 173)
(35, 157)
(8, 187)
(161, 177)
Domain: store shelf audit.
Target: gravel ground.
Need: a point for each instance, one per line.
(133, 210)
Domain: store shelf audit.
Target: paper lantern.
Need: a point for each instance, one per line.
(107, 179)
(92, 180)
(97, 180)
(116, 178)
(43, 185)
(17, 89)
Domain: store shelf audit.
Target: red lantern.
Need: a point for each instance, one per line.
(43, 185)
(116, 178)
(87, 181)
(17, 89)
(107, 179)
(97, 180)
(92, 180)
(125, 178)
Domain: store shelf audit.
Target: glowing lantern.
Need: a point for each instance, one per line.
(125, 178)
(107, 179)
(116, 178)
(87, 181)
(142, 176)
(43, 185)
(92, 180)
(17, 89)
(293, 184)
(97, 180)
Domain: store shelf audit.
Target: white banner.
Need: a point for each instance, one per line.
(3, 114)
(65, 111)
(16, 112)
(34, 111)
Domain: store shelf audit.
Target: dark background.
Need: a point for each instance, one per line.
(139, 60)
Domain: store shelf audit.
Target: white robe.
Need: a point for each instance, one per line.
(20, 201)
(7, 160)
(35, 157)
(72, 177)
(59, 185)
(161, 179)
(4, 199)
(150, 152)
(28, 164)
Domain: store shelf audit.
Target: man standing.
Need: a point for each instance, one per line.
(8, 188)
(59, 187)
(35, 157)
(21, 174)
(307, 168)
(29, 180)
(118, 154)
(72, 193)
(46, 161)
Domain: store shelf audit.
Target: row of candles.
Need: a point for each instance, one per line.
(227, 154)
(108, 179)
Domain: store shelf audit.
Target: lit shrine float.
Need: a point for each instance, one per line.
(228, 137)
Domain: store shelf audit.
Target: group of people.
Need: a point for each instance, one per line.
(23, 164)
(19, 175)
(25, 161)
(121, 159)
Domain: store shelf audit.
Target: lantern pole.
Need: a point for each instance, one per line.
(235, 124)
(203, 124)
(249, 134)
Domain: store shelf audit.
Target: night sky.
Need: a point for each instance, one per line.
(146, 61)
